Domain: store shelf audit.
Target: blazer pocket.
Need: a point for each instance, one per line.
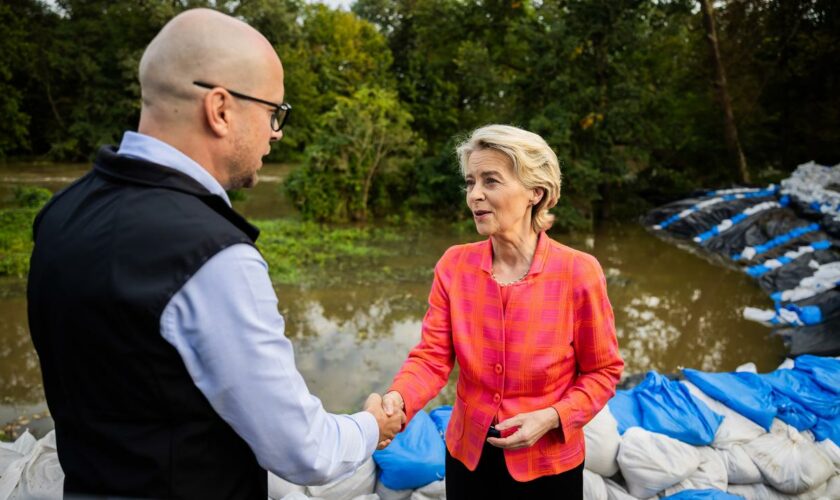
(455, 429)
(551, 445)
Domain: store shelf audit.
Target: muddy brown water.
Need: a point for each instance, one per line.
(672, 309)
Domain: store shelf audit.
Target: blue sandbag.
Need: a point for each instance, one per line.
(703, 495)
(440, 416)
(669, 408)
(824, 371)
(793, 413)
(415, 457)
(625, 410)
(745, 393)
(827, 429)
(798, 386)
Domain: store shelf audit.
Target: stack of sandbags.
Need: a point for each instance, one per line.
(358, 485)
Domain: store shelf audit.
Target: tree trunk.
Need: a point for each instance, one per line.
(730, 130)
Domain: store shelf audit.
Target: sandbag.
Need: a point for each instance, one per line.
(386, 493)
(702, 494)
(745, 393)
(788, 461)
(361, 482)
(830, 449)
(652, 462)
(668, 408)
(740, 469)
(616, 492)
(415, 457)
(824, 371)
(710, 474)
(827, 429)
(799, 387)
(433, 491)
(37, 475)
(279, 488)
(793, 413)
(593, 486)
(440, 416)
(735, 428)
(832, 487)
(602, 442)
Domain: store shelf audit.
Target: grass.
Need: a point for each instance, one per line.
(16, 240)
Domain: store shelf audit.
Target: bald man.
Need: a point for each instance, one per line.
(165, 365)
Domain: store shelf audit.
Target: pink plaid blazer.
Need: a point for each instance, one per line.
(554, 344)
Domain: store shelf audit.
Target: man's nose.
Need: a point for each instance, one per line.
(276, 136)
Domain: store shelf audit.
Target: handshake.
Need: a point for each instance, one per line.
(389, 413)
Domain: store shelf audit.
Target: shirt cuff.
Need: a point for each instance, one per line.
(370, 430)
(564, 411)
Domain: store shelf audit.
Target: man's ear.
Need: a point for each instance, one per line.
(217, 104)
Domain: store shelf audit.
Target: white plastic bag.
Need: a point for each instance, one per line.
(740, 468)
(436, 490)
(652, 462)
(831, 451)
(593, 486)
(602, 442)
(788, 461)
(361, 482)
(710, 474)
(616, 492)
(735, 428)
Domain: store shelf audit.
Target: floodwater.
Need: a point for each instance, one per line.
(673, 309)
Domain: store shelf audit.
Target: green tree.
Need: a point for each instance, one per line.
(363, 137)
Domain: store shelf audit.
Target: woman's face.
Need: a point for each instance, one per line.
(500, 204)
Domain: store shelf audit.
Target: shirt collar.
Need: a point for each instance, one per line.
(144, 147)
(537, 263)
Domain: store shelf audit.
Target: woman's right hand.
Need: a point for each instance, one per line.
(392, 402)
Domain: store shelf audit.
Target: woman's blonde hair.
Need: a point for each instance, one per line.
(534, 163)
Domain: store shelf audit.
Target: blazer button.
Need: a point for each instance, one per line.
(499, 368)
(497, 397)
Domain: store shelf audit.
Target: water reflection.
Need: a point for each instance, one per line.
(351, 335)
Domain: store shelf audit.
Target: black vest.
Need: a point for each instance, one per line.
(110, 252)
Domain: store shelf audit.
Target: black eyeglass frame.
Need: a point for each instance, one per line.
(281, 111)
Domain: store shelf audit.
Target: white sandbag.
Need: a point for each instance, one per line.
(279, 488)
(740, 469)
(593, 486)
(296, 495)
(765, 492)
(369, 496)
(386, 493)
(747, 367)
(602, 442)
(436, 490)
(788, 461)
(361, 482)
(787, 364)
(832, 487)
(710, 474)
(37, 474)
(831, 451)
(651, 462)
(616, 492)
(735, 428)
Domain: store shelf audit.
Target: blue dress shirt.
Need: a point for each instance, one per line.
(225, 325)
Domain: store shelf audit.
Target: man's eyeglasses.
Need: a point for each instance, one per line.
(281, 111)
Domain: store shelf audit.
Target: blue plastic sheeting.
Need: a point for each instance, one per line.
(745, 393)
(827, 429)
(798, 386)
(759, 269)
(703, 495)
(807, 315)
(793, 413)
(625, 410)
(440, 416)
(415, 457)
(824, 371)
(660, 405)
(782, 239)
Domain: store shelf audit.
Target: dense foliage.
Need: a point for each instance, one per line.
(620, 88)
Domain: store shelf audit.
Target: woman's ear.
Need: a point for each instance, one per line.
(537, 196)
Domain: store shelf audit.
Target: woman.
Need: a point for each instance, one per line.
(528, 321)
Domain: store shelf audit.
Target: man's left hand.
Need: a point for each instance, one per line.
(531, 427)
